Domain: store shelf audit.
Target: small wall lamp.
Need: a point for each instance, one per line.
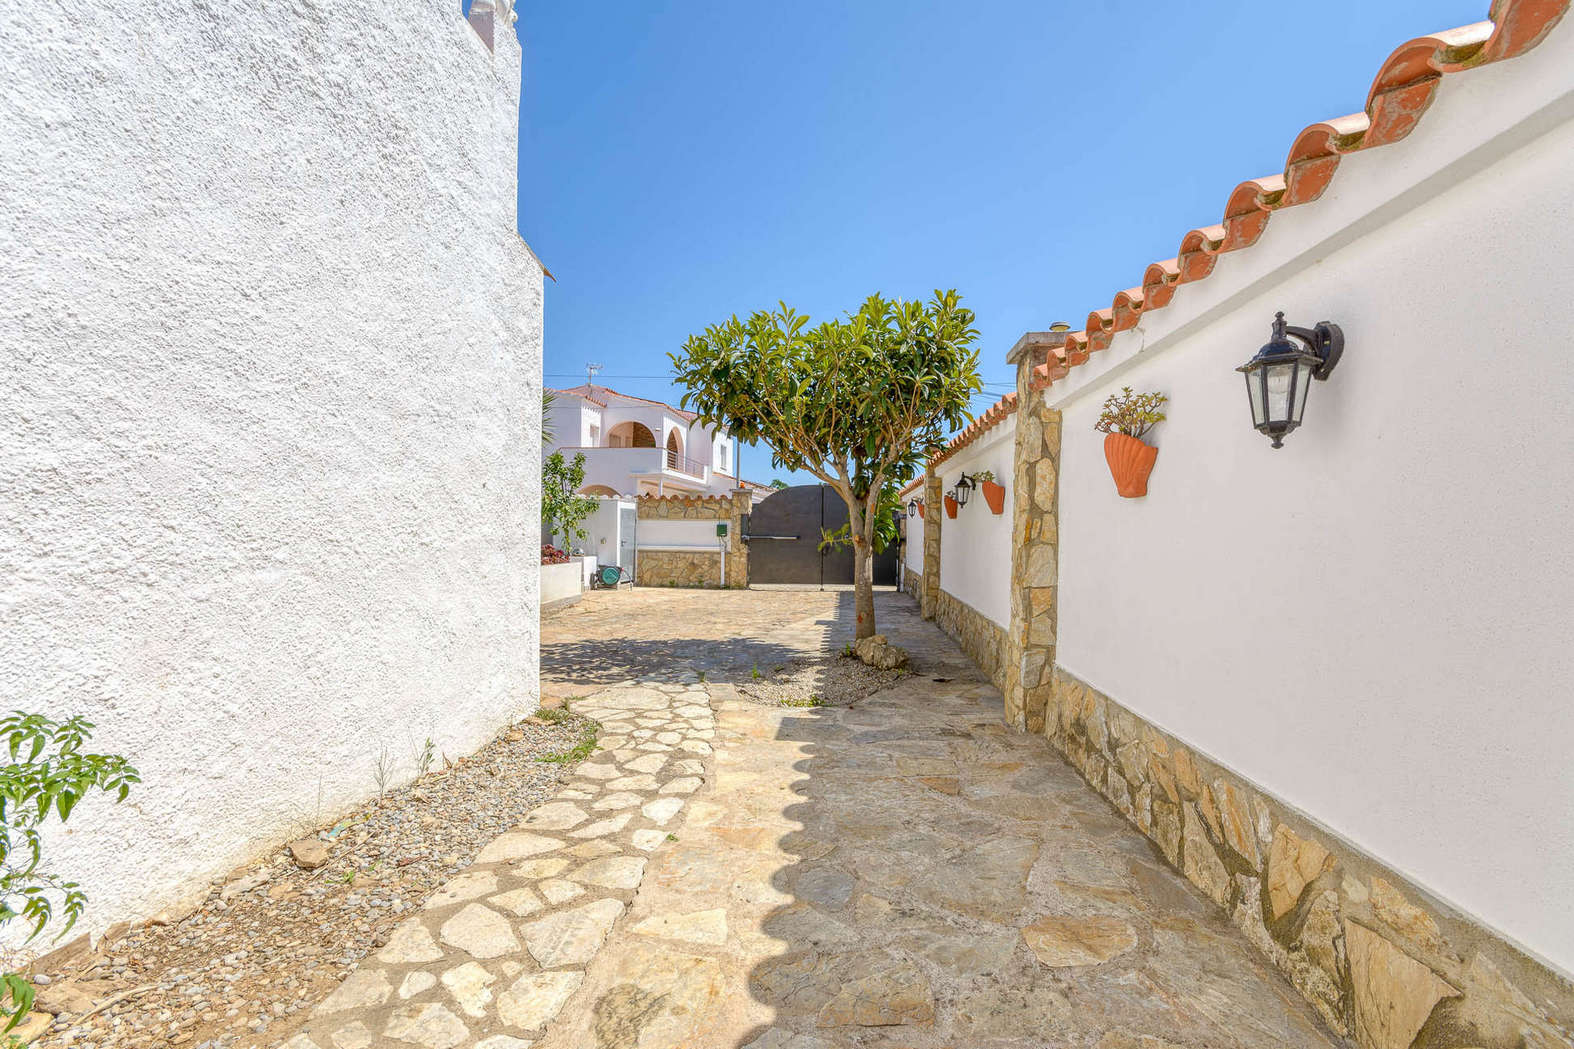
(964, 488)
(912, 507)
(1280, 375)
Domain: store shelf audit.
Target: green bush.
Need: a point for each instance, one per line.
(47, 776)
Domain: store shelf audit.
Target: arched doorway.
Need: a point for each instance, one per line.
(630, 435)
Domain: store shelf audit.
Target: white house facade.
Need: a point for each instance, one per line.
(635, 446)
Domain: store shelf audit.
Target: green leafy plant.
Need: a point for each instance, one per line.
(855, 402)
(984, 475)
(563, 509)
(548, 402)
(47, 776)
(887, 510)
(1132, 414)
(579, 751)
(778, 484)
(812, 701)
(755, 674)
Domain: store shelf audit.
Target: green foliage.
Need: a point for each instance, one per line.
(47, 776)
(812, 701)
(554, 716)
(579, 751)
(1133, 414)
(548, 435)
(983, 475)
(887, 510)
(779, 484)
(855, 402)
(563, 509)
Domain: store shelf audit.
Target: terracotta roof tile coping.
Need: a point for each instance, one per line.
(993, 416)
(1401, 92)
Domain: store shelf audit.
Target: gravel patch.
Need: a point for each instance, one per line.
(832, 681)
(271, 940)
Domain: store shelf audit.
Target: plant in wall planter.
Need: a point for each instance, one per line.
(994, 494)
(1126, 419)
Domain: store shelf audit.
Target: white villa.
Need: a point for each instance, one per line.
(635, 446)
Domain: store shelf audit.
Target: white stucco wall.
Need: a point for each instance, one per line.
(913, 551)
(270, 442)
(1375, 621)
(562, 583)
(975, 546)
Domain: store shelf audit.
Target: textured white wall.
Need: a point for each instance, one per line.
(269, 446)
(913, 551)
(1374, 621)
(975, 545)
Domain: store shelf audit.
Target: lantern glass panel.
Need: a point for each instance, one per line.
(1280, 383)
(1303, 383)
(1254, 380)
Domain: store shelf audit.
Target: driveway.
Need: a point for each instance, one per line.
(901, 871)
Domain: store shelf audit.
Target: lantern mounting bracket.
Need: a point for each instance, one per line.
(1325, 339)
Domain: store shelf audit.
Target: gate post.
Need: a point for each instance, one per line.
(1035, 538)
(929, 600)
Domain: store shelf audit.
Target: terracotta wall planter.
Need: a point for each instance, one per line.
(1130, 462)
(950, 506)
(920, 511)
(995, 496)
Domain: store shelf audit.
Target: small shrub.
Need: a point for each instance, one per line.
(555, 716)
(812, 701)
(52, 777)
(1132, 414)
(579, 752)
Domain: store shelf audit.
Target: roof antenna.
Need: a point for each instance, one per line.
(590, 373)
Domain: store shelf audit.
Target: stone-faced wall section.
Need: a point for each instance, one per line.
(985, 641)
(1035, 532)
(695, 568)
(934, 516)
(1380, 960)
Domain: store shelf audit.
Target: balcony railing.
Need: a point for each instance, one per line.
(683, 464)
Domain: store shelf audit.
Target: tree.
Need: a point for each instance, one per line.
(47, 776)
(854, 402)
(548, 402)
(778, 484)
(563, 509)
(886, 512)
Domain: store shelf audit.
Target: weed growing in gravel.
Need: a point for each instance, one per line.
(428, 755)
(382, 772)
(756, 673)
(702, 677)
(580, 751)
(555, 716)
(847, 649)
(812, 701)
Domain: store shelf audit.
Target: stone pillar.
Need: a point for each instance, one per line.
(737, 549)
(1035, 539)
(934, 513)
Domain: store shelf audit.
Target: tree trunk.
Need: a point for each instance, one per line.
(863, 585)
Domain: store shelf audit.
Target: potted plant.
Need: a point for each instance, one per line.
(994, 494)
(950, 505)
(1126, 418)
(920, 509)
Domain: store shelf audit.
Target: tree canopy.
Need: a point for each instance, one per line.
(855, 401)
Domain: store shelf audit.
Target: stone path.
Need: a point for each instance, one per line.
(903, 873)
(499, 949)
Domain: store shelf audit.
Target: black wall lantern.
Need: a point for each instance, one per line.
(964, 488)
(1279, 377)
(912, 507)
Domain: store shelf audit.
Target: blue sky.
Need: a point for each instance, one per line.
(681, 162)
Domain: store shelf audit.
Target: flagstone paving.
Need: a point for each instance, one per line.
(902, 872)
(499, 949)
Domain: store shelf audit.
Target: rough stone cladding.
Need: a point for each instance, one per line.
(1035, 542)
(985, 641)
(912, 581)
(696, 568)
(1384, 963)
(270, 446)
(934, 510)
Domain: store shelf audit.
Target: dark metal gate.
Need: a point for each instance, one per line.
(783, 534)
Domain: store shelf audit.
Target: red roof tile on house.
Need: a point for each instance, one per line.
(1400, 94)
(602, 396)
(993, 416)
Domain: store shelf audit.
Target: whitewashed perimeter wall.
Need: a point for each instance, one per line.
(975, 546)
(269, 447)
(1375, 621)
(913, 550)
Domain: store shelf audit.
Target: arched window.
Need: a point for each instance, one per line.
(597, 489)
